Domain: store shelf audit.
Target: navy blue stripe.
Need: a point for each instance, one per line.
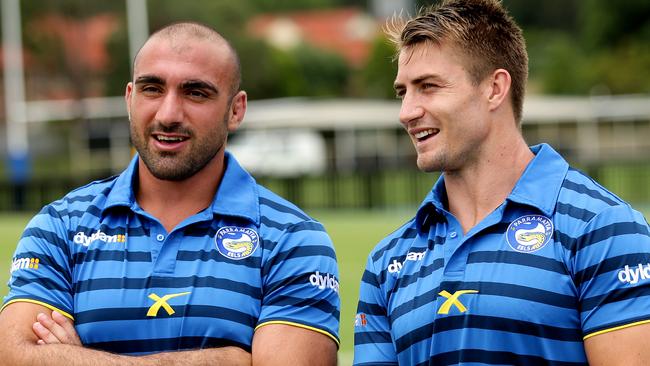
(370, 278)
(282, 208)
(371, 338)
(181, 311)
(301, 303)
(614, 296)
(137, 231)
(524, 259)
(139, 346)
(98, 255)
(581, 188)
(604, 233)
(488, 288)
(575, 212)
(609, 264)
(53, 212)
(404, 281)
(288, 281)
(376, 364)
(301, 251)
(371, 309)
(293, 227)
(214, 255)
(45, 260)
(409, 233)
(423, 299)
(445, 324)
(166, 282)
(91, 209)
(41, 281)
(48, 236)
(85, 198)
(493, 358)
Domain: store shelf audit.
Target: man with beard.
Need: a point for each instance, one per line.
(183, 258)
(513, 258)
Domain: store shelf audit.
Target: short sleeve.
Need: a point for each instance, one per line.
(40, 267)
(301, 281)
(613, 262)
(372, 340)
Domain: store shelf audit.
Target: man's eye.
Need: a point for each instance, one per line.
(150, 90)
(197, 94)
(399, 94)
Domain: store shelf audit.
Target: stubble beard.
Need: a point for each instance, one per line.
(174, 166)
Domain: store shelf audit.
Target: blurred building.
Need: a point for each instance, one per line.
(348, 32)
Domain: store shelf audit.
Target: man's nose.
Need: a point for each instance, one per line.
(410, 110)
(170, 109)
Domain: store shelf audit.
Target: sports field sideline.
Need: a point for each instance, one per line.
(354, 234)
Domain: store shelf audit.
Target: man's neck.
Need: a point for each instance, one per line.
(171, 202)
(474, 192)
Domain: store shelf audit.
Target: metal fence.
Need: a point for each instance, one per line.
(367, 190)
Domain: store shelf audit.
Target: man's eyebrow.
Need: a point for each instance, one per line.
(418, 80)
(199, 84)
(149, 79)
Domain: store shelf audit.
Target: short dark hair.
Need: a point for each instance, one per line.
(483, 33)
(198, 30)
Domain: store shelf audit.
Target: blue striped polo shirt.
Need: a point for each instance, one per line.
(248, 260)
(560, 260)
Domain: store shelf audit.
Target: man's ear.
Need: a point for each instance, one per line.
(237, 110)
(499, 88)
(127, 98)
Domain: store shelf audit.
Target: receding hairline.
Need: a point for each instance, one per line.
(184, 31)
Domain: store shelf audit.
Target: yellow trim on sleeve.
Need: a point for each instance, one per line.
(38, 303)
(615, 328)
(299, 326)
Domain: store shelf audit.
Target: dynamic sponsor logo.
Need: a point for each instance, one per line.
(24, 263)
(82, 239)
(323, 282)
(360, 320)
(162, 302)
(635, 274)
(396, 266)
(452, 299)
(236, 242)
(529, 233)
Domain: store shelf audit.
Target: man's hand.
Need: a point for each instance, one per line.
(55, 329)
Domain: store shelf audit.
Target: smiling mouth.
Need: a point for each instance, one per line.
(169, 139)
(424, 135)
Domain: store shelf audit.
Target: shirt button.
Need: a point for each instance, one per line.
(453, 234)
(160, 237)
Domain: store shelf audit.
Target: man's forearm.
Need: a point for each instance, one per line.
(67, 355)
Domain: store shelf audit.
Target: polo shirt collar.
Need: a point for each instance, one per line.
(237, 194)
(538, 186)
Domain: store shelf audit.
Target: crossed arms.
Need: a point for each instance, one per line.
(34, 335)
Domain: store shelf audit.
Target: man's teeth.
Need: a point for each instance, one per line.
(424, 133)
(169, 139)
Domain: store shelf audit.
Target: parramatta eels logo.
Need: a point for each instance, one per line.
(236, 242)
(529, 233)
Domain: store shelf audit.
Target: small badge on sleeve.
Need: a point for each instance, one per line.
(236, 242)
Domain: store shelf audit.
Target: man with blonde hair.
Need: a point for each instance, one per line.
(513, 258)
